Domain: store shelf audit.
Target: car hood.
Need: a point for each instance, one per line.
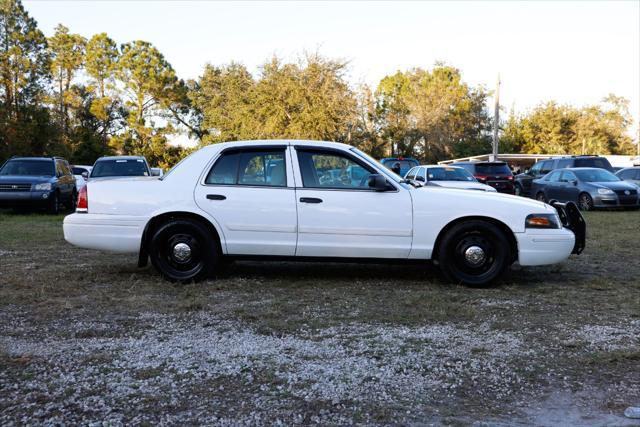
(25, 179)
(465, 185)
(615, 185)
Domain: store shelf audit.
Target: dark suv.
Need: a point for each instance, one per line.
(495, 174)
(37, 182)
(543, 167)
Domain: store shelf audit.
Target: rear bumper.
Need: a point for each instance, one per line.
(116, 233)
(19, 199)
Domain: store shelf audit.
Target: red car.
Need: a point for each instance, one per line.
(496, 174)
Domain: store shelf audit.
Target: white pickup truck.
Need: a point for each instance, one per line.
(310, 200)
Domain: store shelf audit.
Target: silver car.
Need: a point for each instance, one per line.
(446, 176)
(631, 175)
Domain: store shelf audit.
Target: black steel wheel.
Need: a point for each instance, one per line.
(183, 250)
(585, 202)
(541, 197)
(474, 253)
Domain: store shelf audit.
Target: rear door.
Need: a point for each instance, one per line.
(338, 218)
(250, 192)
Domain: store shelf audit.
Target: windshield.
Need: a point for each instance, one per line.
(493, 169)
(28, 167)
(448, 174)
(372, 161)
(119, 167)
(404, 164)
(596, 175)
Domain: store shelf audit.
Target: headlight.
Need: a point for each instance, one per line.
(604, 191)
(45, 186)
(542, 221)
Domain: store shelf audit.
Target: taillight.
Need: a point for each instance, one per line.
(510, 177)
(83, 200)
(481, 177)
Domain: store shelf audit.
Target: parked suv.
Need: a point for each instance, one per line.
(494, 174)
(541, 168)
(37, 182)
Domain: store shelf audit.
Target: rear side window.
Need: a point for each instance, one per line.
(255, 168)
(546, 167)
(493, 169)
(593, 162)
(563, 163)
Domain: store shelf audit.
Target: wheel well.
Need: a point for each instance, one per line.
(513, 244)
(156, 221)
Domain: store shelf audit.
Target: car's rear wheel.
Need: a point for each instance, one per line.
(183, 250)
(474, 253)
(541, 197)
(585, 201)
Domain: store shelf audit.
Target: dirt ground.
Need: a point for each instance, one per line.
(87, 337)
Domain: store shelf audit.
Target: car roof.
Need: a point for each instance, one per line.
(498, 162)
(35, 158)
(271, 142)
(441, 166)
(121, 158)
(579, 169)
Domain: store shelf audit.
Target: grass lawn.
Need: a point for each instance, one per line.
(86, 336)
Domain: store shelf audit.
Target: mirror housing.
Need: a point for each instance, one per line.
(420, 178)
(377, 182)
(573, 181)
(85, 175)
(156, 171)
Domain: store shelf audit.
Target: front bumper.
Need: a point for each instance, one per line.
(615, 201)
(19, 199)
(116, 233)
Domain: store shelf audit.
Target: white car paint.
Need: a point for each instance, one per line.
(402, 223)
(80, 180)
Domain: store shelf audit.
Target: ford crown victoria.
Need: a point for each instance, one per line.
(299, 200)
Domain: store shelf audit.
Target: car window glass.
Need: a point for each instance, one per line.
(553, 177)
(535, 169)
(411, 174)
(79, 171)
(545, 168)
(568, 176)
(324, 169)
(119, 167)
(563, 163)
(262, 168)
(28, 167)
(593, 162)
(423, 173)
(225, 170)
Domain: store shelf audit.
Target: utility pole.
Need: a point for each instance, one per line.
(496, 122)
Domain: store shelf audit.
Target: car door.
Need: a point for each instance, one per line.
(552, 186)
(250, 193)
(339, 219)
(64, 186)
(570, 189)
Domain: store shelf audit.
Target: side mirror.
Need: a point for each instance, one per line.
(156, 171)
(85, 175)
(573, 181)
(420, 178)
(377, 182)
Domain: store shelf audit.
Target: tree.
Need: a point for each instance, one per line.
(149, 84)
(433, 114)
(67, 53)
(24, 72)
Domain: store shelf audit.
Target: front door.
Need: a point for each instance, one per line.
(251, 195)
(340, 216)
(569, 191)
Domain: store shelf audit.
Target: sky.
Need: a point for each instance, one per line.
(571, 52)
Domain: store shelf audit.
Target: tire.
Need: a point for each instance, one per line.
(541, 197)
(73, 201)
(198, 259)
(54, 204)
(457, 262)
(518, 190)
(585, 202)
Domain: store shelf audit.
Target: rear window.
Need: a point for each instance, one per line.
(79, 171)
(28, 168)
(119, 167)
(593, 162)
(493, 169)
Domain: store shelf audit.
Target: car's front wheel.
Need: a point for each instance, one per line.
(474, 253)
(183, 250)
(54, 204)
(585, 201)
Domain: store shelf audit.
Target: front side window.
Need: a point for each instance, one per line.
(255, 168)
(535, 169)
(553, 177)
(328, 169)
(596, 175)
(412, 174)
(628, 174)
(28, 168)
(568, 177)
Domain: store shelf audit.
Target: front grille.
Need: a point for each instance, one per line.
(15, 187)
(622, 192)
(628, 200)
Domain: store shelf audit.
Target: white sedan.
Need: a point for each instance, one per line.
(298, 200)
(446, 176)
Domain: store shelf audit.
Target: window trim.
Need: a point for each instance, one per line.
(344, 153)
(241, 150)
